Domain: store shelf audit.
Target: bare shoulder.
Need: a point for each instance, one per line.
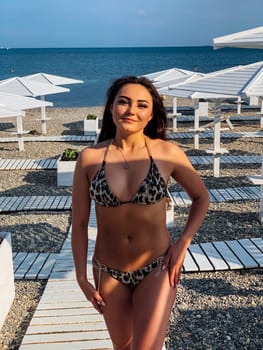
(93, 154)
(167, 150)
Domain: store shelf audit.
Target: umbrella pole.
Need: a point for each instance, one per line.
(43, 117)
(261, 196)
(261, 113)
(20, 133)
(217, 135)
(174, 113)
(196, 125)
(239, 103)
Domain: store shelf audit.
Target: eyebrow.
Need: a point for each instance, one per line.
(121, 96)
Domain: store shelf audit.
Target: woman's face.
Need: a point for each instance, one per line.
(132, 108)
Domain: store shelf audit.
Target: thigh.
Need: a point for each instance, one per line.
(118, 310)
(153, 300)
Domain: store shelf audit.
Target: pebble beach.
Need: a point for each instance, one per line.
(214, 310)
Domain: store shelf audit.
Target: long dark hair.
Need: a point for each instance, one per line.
(156, 128)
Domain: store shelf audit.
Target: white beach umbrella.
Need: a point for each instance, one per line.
(237, 81)
(246, 80)
(168, 74)
(52, 79)
(165, 83)
(164, 78)
(13, 106)
(24, 87)
(251, 38)
(18, 102)
(6, 112)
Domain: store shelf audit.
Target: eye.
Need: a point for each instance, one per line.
(122, 101)
(142, 105)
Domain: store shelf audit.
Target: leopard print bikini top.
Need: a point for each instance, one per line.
(152, 189)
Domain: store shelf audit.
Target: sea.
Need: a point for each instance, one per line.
(98, 67)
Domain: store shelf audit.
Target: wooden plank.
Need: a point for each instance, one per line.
(67, 337)
(236, 196)
(258, 242)
(40, 163)
(3, 199)
(22, 203)
(189, 263)
(251, 193)
(242, 255)
(55, 202)
(62, 202)
(35, 204)
(216, 194)
(18, 259)
(185, 198)
(177, 198)
(72, 327)
(48, 266)
(230, 193)
(65, 319)
(13, 204)
(200, 258)
(49, 202)
(230, 258)
(42, 202)
(12, 164)
(256, 190)
(226, 195)
(17, 203)
(33, 271)
(68, 202)
(25, 265)
(214, 257)
(5, 164)
(242, 193)
(253, 250)
(59, 312)
(10, 203)
(30, 200)
(77, 345)
(4, 202)
(26, 164)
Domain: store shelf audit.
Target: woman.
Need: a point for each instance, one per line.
(136, 266)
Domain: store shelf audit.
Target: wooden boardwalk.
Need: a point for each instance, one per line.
(51, 163)
(210, 134)
(92, 139)
(33, 266)
(64, 319)
(58, 138)
(237, 118)
(55, 203)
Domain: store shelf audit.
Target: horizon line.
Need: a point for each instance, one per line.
(100, 47)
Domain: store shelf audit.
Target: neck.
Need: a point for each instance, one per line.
(130, 143)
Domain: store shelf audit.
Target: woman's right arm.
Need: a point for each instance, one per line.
(80, 217)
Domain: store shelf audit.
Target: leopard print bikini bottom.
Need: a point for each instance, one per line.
(130, 278)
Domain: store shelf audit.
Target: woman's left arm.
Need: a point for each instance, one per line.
(185, 174)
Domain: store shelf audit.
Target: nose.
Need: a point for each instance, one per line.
(132, 108)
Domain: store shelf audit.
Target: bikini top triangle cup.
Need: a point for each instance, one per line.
(152, 189)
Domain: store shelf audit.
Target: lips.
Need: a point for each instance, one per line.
(128, 120)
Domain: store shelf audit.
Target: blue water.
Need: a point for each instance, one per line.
(98, 67)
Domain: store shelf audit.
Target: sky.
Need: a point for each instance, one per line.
(123, 23)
